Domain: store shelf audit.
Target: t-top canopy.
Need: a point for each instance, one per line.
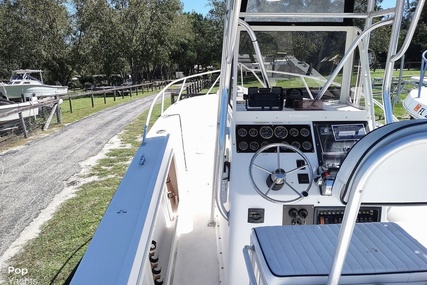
(297, 11)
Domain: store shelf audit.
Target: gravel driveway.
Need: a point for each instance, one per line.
(31, 176)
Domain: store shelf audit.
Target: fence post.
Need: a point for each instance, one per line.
(58, 111)
(105, 98)
(93, 102)
(71, 105)
(24, 128)
(114, 95)
(46, 125)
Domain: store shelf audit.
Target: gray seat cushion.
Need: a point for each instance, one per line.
(376, 248)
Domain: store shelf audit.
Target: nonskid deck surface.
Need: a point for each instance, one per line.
(196, 254)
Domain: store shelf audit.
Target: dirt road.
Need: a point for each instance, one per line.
(31, 176)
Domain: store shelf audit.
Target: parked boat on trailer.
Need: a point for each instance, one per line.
(9, 112)
(27, 83)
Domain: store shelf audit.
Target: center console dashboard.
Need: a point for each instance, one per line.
(325, 136)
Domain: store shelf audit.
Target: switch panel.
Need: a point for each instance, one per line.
(334, 215)
(298, 215)
(255, 215)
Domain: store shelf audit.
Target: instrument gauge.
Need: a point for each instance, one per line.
(243, 146)
(254, 146)
(242, 132)
(304, 132)
(266, 132)
(296, 144)
(306, 145)
(264, 143)
(253, 132)
(293, 132)
(280, 132)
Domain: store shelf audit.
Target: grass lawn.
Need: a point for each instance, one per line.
(52, 256)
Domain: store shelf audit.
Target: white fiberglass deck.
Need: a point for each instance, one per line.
(196, 255)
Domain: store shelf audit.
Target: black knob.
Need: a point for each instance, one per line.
(153, 257)
(303, 213)
(153, 245)
(156, 269)
(293, 213)
(158, 280)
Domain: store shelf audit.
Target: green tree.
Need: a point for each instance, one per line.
(216, 19)
(34, 35)
(148, 33)
(419, 43)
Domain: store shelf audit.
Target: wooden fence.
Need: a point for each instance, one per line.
(54, 101)
(115, 91)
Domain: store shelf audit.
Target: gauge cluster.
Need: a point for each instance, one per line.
(250, 138)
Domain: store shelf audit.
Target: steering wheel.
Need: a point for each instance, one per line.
(278, 177)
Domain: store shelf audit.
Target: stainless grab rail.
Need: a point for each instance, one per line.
(254, 40)
(251, 273)
(229, 44)
(162, 93)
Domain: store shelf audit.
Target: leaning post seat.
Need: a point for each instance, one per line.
(383, 168)
(379, 253)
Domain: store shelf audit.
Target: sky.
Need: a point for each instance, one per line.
(388, 3)
(199, 6)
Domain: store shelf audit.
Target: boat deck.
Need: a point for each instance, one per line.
(194, 232)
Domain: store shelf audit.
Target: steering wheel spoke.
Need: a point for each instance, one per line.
(298, 168)
(278, 157)
(270, 188)
(295, 190)
(278, 180)
(262, 169)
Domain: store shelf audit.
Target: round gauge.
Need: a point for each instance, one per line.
(253, 132)
(296, 144)
(264, 143)
(242, 132)
(254, 145)
(293, 132)
(243, 146)
(280, 132)
(304, 132)
(306, 145)
(266, 132)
